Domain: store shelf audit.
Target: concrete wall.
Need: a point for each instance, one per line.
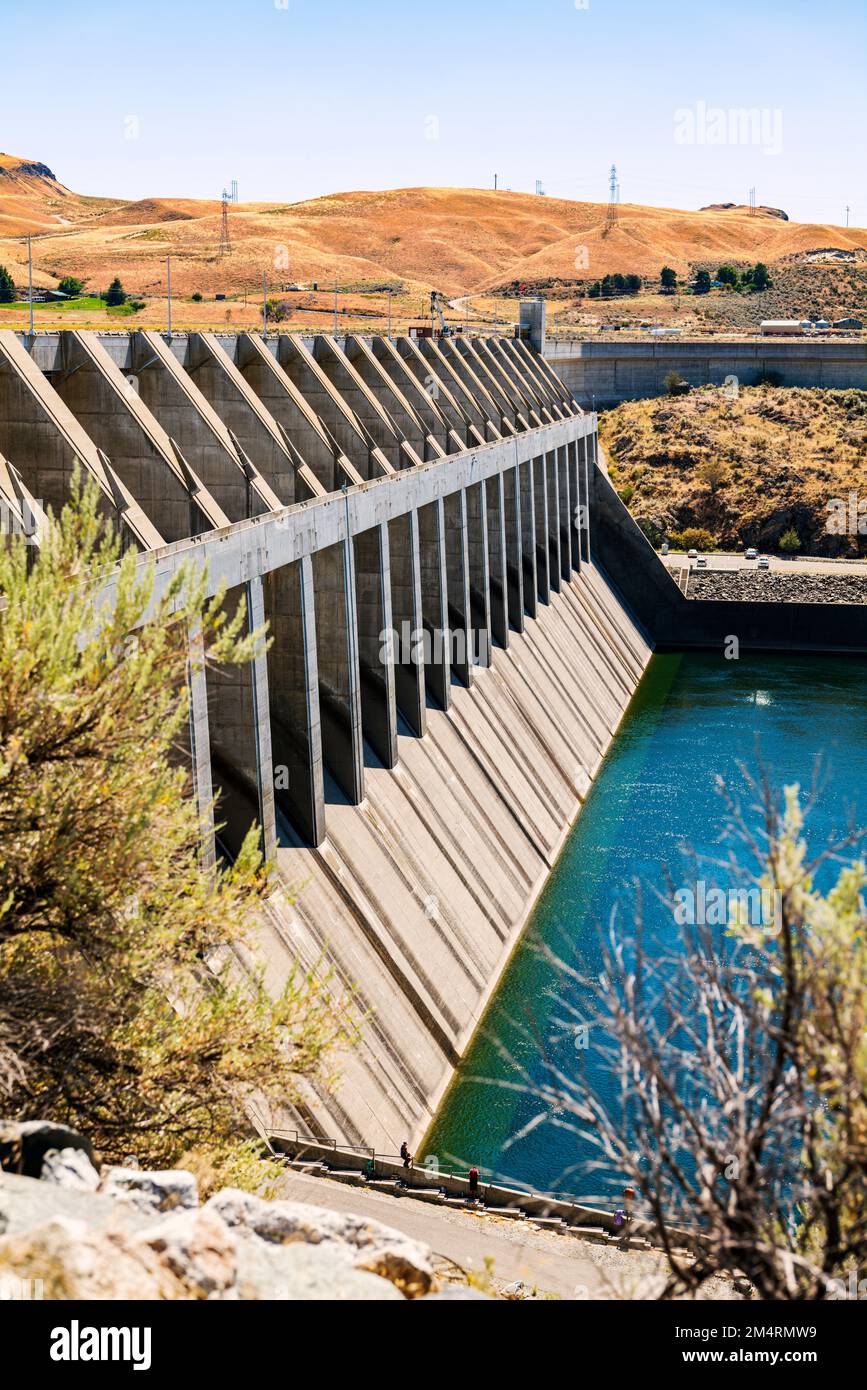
(605, 373)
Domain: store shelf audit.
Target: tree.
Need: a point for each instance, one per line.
(109, 1017)
(7, 286)
(713, 472)
(734, 1096)
(71, 285)
(668, 278)
(702, 282)
(727, 275)
(633, 284)
(115, 294)
(790, 541)
(760, 278)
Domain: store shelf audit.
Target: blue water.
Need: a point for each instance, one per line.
(654, 807)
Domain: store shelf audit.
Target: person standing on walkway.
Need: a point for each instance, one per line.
(474, 1184)
(406, 1155)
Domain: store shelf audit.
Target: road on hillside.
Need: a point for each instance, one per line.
(802, 565)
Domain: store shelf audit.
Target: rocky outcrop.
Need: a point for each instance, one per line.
(73, 1232)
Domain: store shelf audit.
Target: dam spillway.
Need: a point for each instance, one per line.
(365, 496)
(460, 610)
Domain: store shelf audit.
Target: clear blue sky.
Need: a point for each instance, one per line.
(325, 95)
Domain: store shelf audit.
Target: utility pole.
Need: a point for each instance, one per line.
(224, 223)
(847, 214)
(389, 313)
(30, 282)
(264, 307)
(169, 284)
(752, 202)
(495, 183)
(613, 199)
(335, 311)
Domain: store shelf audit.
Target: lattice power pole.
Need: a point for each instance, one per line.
(611, 216)
(752, 202)
(224, 224)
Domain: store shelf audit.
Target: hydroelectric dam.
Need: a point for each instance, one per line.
(460, 611)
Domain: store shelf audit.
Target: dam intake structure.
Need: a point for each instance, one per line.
(460, 610)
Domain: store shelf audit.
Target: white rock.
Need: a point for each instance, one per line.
(152, 1191)
(364, 1243)
(198, 1248)
(69, 1168)
(304, 1273)
(68, 1260)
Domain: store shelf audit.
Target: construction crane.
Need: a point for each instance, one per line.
(436, 311)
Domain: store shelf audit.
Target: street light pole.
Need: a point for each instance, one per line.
(30, 282)
(264, 306)
(169, 290)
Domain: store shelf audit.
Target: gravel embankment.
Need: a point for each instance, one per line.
(752, 585)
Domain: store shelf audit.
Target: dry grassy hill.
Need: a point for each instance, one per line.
(459, 241)
(744, 469)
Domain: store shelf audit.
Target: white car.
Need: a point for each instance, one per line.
(701, 562)
(752, 554)
(692, 555)
(764, 562)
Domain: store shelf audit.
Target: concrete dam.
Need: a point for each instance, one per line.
(460, 611)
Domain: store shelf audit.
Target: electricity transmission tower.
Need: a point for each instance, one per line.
(224, 224)
(752, 202)
(611, 216)
(539, 189)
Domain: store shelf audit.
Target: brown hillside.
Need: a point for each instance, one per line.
(457, 240)
(744, 469)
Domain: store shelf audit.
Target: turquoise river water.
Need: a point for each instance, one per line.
(693, 718)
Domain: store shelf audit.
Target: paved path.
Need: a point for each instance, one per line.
(555, 1264)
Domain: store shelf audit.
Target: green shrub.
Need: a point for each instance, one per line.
(790, 541)
(692, 538)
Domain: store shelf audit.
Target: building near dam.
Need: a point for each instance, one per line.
(460, 611)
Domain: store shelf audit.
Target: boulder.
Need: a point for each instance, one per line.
(24, 1144)
(456, 1293)
(305, 1273)
(27, 1202)
(367, 1244)
(66, 1259)
(198, 1248)
(152, 1191)
(69, 1168)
